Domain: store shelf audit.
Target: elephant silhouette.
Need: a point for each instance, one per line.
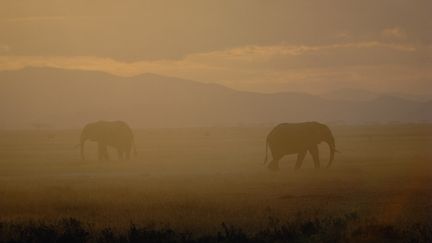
(298, 138)
(116, 134)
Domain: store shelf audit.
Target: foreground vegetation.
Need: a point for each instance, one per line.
(349, 228)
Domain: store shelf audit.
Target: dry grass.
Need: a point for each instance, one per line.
(194, 179)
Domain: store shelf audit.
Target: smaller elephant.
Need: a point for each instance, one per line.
(116, 134)
(298, 138)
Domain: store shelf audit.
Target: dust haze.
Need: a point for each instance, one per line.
(246, 121)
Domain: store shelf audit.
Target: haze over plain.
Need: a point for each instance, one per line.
(202, 84)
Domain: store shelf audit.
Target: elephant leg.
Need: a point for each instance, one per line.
(315, 155)
(106, 156)
(105, 153)
(102, 152)
(274, 164)
(300, 158)
(120, 154)
(127, 154)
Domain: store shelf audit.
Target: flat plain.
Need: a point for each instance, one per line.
(195, 179)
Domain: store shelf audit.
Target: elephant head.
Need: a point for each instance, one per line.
(323, 134)
(91, 131)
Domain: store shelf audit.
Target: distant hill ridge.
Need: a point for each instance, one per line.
(68, 98)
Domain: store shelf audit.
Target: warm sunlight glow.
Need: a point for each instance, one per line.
(235, 121)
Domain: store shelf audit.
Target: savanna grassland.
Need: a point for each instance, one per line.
(209, 180)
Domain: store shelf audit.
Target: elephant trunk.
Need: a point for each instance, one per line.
(332, 147)
(332, 152)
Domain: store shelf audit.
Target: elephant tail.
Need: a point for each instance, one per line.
(134, 149)
(266, 149)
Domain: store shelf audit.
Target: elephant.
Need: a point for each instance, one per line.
(116, 134)
(298, 138)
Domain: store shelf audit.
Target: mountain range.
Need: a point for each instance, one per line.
(59, 98)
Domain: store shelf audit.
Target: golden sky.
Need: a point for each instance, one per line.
(257, 45)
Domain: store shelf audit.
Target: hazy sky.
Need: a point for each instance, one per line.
(260, 45)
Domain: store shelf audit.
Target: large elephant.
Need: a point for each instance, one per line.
(115, 134)
(298, 138)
